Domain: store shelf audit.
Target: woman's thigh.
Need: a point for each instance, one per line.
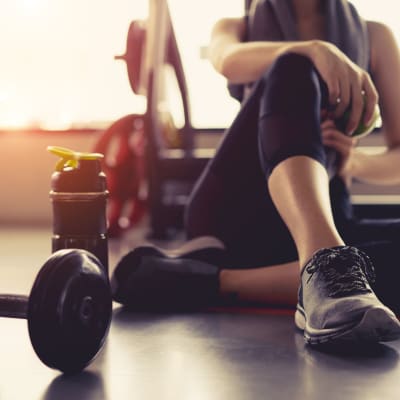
(241, 214)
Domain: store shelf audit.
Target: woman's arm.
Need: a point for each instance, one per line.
(385, 66)
(246, 62)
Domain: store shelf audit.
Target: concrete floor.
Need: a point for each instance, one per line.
(207, 356)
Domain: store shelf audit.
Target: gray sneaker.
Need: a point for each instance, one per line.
(336, 303)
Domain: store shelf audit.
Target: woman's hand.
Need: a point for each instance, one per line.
(343, 144)
(348, 84)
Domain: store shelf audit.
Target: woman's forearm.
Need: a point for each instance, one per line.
(380, 169)
(246, 62)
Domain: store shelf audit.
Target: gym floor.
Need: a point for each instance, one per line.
(221, 354)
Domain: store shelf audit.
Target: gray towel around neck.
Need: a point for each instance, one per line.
(273, 20)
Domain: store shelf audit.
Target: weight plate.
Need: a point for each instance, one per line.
(134, 53)
(69, 310)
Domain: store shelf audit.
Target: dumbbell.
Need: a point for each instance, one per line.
(68, 310)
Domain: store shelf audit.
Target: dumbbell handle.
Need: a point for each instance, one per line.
(13, 306)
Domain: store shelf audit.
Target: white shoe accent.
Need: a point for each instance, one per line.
(378, 324)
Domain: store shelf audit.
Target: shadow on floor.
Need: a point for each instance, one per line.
(84, 386)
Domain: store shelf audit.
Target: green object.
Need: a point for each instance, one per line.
(362, 129)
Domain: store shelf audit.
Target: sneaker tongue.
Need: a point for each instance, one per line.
(342, 265)
(344, 270)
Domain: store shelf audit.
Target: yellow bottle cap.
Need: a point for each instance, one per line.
(71, 158)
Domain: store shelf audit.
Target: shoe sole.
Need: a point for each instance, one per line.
(376, 325)
(195, 245)
(205, 248)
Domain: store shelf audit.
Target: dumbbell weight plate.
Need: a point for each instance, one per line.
(69, 310)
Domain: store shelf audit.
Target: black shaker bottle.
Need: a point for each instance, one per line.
(79, 198)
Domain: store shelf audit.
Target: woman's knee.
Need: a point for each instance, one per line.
(289, 67)
(289, 119)
(291, 83)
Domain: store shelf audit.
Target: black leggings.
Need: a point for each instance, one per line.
(279, 119)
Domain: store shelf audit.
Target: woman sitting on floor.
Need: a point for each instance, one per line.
(270, 219)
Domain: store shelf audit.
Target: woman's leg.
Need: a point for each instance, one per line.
(299, 187)
(336, 301)
(334, 293)
(273, 285)
(278, 284)
(231, 200)
(230, 195)
(293, 156)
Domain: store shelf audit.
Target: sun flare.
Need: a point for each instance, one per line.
(58, 68)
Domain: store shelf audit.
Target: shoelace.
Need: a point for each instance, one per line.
(347, 270)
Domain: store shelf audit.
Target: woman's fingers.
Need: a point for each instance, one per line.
(334, 91)
(370, 98)
(359, 96)
(356, 110)
(350, 88)
(343, 145)
(345, 95)
(328, 123)
(333, 138)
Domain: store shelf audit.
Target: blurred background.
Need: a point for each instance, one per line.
(57, 65)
